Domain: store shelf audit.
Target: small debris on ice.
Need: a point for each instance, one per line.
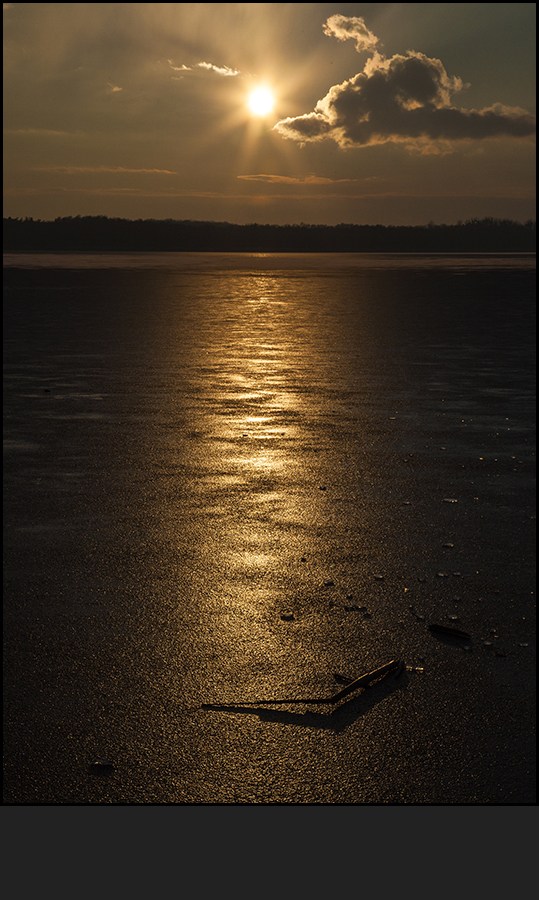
(101, 766)
(450, 632)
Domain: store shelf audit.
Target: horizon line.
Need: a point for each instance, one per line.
(430, 224)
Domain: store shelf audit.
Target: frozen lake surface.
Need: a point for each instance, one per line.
(237, 476)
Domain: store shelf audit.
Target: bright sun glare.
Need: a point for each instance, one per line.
(261, 101)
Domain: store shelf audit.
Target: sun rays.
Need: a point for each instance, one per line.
(261, 101)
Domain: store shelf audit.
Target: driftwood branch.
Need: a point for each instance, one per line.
(363, 681)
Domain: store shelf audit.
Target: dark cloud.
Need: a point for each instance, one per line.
(401, 99)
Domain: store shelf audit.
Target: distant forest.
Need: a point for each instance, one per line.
(99, 233)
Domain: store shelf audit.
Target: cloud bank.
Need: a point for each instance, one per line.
(403, 99)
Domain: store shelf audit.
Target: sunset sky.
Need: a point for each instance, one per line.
(390, 113)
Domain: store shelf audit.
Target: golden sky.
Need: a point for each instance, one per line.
(390, 113)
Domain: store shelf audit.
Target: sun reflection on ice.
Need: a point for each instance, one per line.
(252, 488)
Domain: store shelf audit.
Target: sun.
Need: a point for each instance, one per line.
(261, 101)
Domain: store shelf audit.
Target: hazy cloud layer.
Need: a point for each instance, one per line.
(288, 179)
(401, 99)
(219, 70)
(210, 67)
(75, 170)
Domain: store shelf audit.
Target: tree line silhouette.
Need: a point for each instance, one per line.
(100, 233)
